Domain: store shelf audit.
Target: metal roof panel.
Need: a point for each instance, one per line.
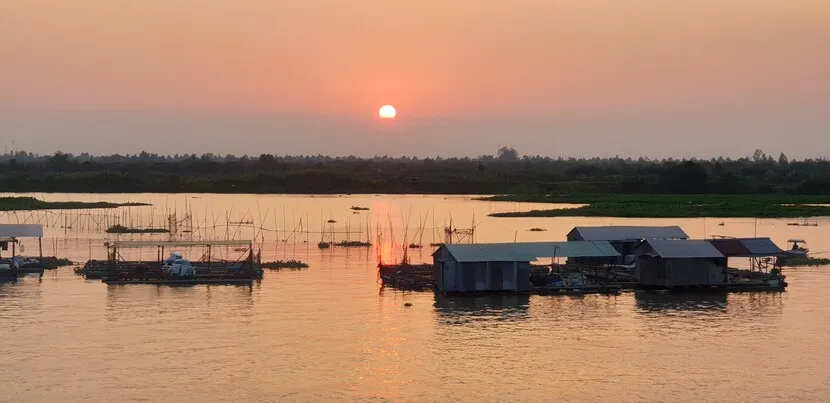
(528, 251)
(730, 247)
(624, 232)
(21, 231)
(761, 246)
(683, 249)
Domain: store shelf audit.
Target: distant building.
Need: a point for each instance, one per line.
(465, 268)
(624, 238)
(679, 263)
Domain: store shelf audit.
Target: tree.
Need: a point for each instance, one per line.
(507, 154)
(783, 160)
(687, 178)
(759, 156)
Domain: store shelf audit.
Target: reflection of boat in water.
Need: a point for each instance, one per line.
(797, 248)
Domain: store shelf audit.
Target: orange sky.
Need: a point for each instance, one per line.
(451, 67)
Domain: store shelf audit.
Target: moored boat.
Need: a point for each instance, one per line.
(797, 248)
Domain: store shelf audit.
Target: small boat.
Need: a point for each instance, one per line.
(796, 248)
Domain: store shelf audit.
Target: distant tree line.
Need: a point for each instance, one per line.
(504, 172)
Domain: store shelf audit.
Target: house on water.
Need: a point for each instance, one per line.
(624, 238)
(668, 263)
(465, 268)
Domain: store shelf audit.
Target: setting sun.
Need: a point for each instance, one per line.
(387, 112)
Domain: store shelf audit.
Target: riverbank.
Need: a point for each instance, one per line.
(31, 203)
(672, 206)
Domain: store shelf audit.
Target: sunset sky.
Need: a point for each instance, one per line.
(655, 78)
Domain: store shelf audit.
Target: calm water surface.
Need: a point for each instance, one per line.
(332, 333)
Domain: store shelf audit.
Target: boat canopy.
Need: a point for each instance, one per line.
(796, 241)
(147, 244)
(21, 231)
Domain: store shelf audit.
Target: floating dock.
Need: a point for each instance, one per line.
(175, 270)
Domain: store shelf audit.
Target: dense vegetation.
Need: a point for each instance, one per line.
(670, 206)
(803, 261)
(30, 203)
(506, 172)
(120, 229)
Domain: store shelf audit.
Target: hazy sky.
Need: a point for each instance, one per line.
(552, 77)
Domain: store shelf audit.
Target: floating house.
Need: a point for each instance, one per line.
(668, 263)
(466, 268)
(624, 238)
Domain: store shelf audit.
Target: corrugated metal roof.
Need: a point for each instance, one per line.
(730, 247)
(683, 249)
(21, 230)
(528, 251)
(746, 247)
(761, 246)
(623, 233)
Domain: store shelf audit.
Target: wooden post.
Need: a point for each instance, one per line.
(111, 269)
(40, 247)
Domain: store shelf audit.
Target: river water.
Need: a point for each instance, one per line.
(332, 333)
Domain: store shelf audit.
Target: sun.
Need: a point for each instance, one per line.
(387, 112)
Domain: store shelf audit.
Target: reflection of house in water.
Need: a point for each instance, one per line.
(463, 309)
(624, 238)
(662, 302)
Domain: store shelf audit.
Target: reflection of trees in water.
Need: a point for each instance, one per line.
(459, 310)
